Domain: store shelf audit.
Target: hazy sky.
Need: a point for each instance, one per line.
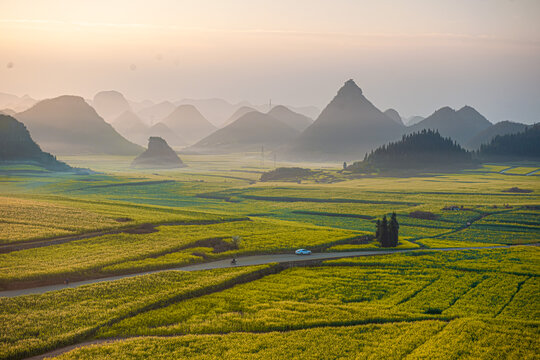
(415, 55)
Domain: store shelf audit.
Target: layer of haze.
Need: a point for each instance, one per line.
(414, 56)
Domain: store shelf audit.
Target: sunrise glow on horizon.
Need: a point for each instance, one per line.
(414, 58)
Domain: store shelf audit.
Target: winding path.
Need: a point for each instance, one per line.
(241, 261)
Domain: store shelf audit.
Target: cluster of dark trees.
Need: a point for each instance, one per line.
(428, 150)
(425, 149)
(421, 148)
(523, 145)
(387, 231)
(286, 174)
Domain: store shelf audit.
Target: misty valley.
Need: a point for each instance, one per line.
(252, 180)
(420, 240)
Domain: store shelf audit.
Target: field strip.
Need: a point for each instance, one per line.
(411, 296)
(448, 193)
(518, 288)
(474, 284)
(66, 349)
(427, 339)
(288, 199)
(241, 261)
(470, 289)
(7, 248)
(465, 226)
(324, 200)
(133, 183)
(331, 214)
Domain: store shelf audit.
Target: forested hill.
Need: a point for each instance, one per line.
(423, 150)
(523, 145)
(16, 145)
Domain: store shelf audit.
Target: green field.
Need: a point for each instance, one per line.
(480, 302)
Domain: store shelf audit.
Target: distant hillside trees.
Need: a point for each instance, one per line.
(16, 145)
(523, 145)
(424, 150)
(387, 232)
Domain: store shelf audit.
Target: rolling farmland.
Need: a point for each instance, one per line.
(473, 303)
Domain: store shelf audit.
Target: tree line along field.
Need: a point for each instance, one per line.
(480, 303)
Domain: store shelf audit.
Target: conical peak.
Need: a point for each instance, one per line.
(72, 99)
(468, 110)
(279, 108)
(446, 110)
(62, 104)
(109, 94)
(156, 141)
(350, 87)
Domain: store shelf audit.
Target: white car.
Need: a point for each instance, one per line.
(302, 252)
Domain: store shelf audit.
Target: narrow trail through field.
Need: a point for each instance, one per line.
(241, 261)
(503, 171)
(532, 173)
(60, 351)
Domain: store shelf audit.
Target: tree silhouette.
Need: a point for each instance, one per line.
(393, 229)
(386, 231)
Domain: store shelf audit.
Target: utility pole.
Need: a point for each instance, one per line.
(270, 105)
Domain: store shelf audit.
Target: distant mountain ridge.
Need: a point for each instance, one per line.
(189, 123)
(241, 111)
(129, 125)
(163, 131)
(110, 104)
(16, 103)
(215, 110)
(394, 115)
(410, 121)
(68, 125)
(461, 125)
(500, 128)
(219, 111)
(250, 132)
(523, 146)
(293, 119)
(153, 114)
